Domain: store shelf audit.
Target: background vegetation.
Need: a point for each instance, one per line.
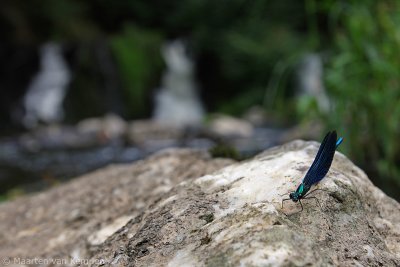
(246, 54)
(363, 77)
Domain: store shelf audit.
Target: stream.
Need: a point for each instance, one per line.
(29, 168)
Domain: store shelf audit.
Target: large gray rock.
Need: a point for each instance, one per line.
(71, 221)
(160, 212)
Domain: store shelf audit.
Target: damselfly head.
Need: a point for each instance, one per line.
(294, 196)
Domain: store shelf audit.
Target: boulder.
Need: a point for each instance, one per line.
(228, 126)
(109, 127)
(182, 208)
(257, 116)
(69, 222)
(148, 132)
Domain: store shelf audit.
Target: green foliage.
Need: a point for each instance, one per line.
(248, 51)
(138, 56)
(245, 40)
(12, 194)
(3, 198)
(242, 42)
(307, 107)
(242, 102)
(84, 98)
(363, 78)
(41, 20)
(224, 151)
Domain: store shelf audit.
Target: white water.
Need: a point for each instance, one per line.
(310, 79)
(177, 102)
(45, 94)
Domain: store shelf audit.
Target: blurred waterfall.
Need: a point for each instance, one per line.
(177, 102)
(310, 79)
(45, 94)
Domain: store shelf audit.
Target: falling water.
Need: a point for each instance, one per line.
(177, 102)
(310, 79)
(45, 94)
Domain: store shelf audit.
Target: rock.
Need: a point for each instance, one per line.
(152, 133)
(228, 126)
(182, 209)
(310, 130)
(109, 127)
(87, 133)
(56, 137)
(256, 115)
(70, 221)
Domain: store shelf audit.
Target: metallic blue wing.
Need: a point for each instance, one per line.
(323, 160)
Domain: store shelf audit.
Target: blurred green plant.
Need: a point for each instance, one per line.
(12, 194)
(224, 151)
(363, 78)
(307, 107)
(248, 50)
(3, 197)
(38, 21)
(84, 99)
(137, 52)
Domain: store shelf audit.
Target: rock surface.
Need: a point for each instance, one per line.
(70, 221)
(182, 208)
(228, 126)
